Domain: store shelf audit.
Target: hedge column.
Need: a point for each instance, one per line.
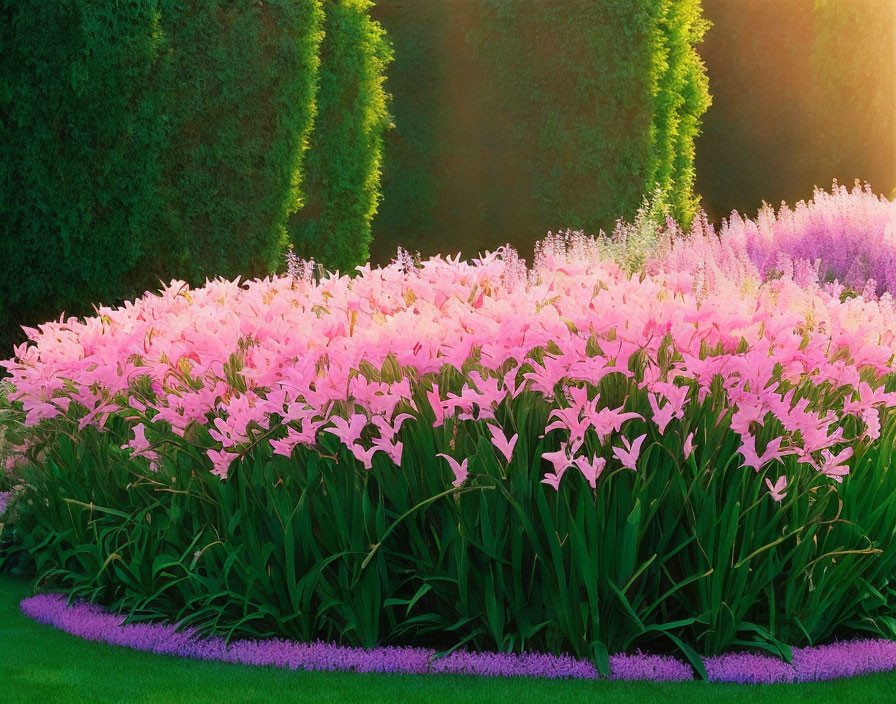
(516, 117)
(241, 104)
(342, 169)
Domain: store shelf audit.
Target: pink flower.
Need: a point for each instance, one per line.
(568, 419)
(435, 403)
(661, 416)
(349, 431)
(509, 381)
(562, 460)
(629, 455)
(776, 490)
(688, 445)
(773, 452)
(871, 418)
(459, 468)
(609, 420)
(363, 456)
(139, 444)
(553, 479)
(559, 458)
(833, 466)
(591, 469)
(221, 461)
(391, 447)
(501, 443)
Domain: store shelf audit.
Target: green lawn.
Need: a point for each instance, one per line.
(41, 665)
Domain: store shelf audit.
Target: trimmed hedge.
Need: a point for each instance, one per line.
(240, 107)
(81, 154)
(147, 140)
(513, 118)
(342, 170)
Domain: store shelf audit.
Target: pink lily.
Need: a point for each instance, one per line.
(661, 416)
(435, 403)
(221, 461)
(629, 455)
(501, 443)
(609, 420)
(553, 479)
(776, 490)
(286, 445)
(559, 458)
(510, 384)
(871, 418)
(349, 431)
(688, 446)
(773, 452)
(459, 468)
(568, 419)
(365, 456)
(833, 466)
(391, 448)
(591, 469)
(139, 444)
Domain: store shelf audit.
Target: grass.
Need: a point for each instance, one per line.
(41, 665)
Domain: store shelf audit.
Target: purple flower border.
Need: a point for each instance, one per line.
(91, 622)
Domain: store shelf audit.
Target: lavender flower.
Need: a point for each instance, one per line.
(90, 622)
(405, 261)
(293, 266)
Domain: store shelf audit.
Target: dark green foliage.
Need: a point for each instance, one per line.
(526, 116)
(802, 95)
(687, 556)
(681, 98)
(81, 153)
(145, 140)
(239, 108)
(342, 169)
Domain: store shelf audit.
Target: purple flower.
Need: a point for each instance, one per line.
(90, 622)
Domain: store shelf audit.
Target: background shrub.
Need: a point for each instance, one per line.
(515, 118)
(81, 156)
(341, 176)
(147, 140)
(239, 100)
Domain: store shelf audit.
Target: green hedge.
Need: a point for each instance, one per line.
(240, 106)
(516, 117)
(342, 170)
(147, 139)
(81, 154)
(152, 139)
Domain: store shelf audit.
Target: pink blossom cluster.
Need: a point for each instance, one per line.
(847, 236)
(291, 360)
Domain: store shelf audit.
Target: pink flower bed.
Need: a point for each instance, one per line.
(237, 355)
(845, 235)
